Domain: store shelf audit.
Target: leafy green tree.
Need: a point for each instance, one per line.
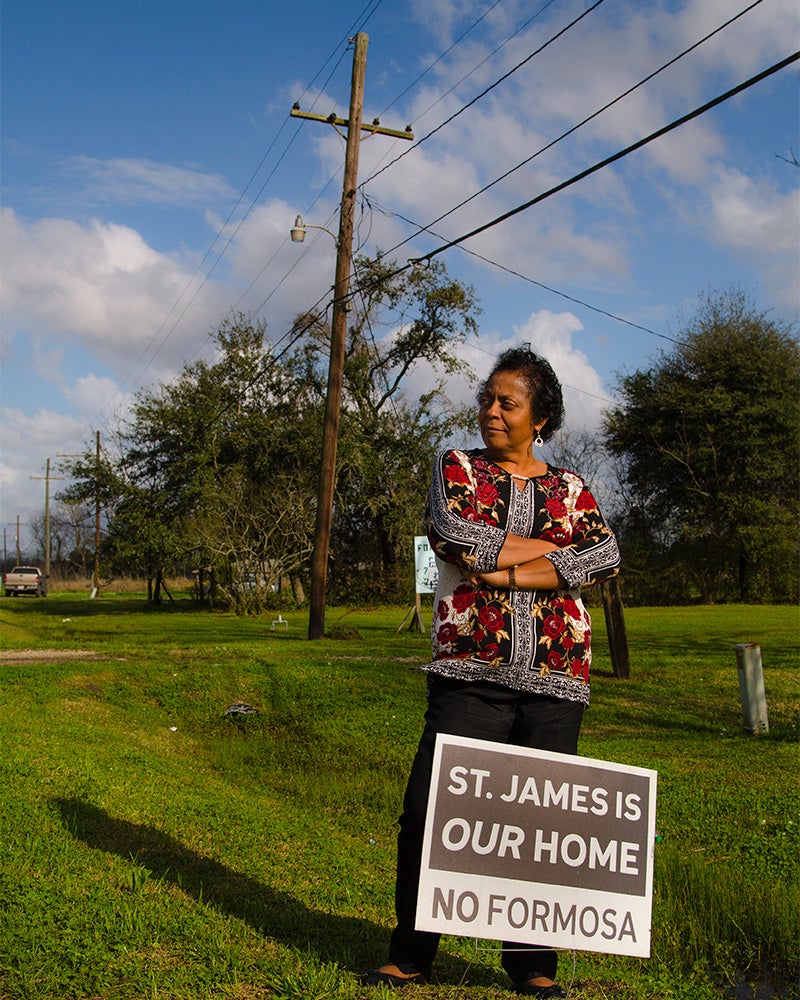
(710, 440)
(221, 465)
(399, 322)
(95, 480)
(223, 457)
(72, 531)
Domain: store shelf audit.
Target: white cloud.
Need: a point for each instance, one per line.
(128, 181)
(550, 334)
(752, 42)
(92, 395)
(759, 224)
(40, 428)
(747, 214)
(102, 286)
(28, 440)
(440, 17)
(283, 278)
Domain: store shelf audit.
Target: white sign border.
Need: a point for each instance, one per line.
(592, 908)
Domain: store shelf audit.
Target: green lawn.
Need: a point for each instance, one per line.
(153, 849)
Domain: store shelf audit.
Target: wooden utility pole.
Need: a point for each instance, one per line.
(19, 555)
(344, 254)
(96, 573)
(96, 576)
(47, 479)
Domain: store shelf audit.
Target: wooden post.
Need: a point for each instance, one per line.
(414, 618)
(751, 688)
(615, 627)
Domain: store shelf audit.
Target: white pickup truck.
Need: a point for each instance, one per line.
(25, 580)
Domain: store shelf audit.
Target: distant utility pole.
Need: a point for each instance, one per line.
(19, 556)
(96, 577)
(47, 479)
(344, 254)
(96, 573)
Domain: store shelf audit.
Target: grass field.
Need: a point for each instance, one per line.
(153, 849)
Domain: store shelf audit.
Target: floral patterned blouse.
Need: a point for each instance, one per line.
(527, 640)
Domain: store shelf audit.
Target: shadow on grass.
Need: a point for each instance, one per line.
(268, 911)
(348, 941)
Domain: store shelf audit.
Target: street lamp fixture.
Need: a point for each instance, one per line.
(298, 230)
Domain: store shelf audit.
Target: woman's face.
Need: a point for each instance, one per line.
(505, 416)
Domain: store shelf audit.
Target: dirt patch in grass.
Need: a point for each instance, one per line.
(50, 655)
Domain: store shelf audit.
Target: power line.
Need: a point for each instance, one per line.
(585, 121)
(458, 41)
(612, 159)
(585, 173)
(466, 76)
(525, 277)
(487, 90)
(619, 155)
(363, 17)
(570, 298)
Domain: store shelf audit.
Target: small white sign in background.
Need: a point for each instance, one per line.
(425, 568)
(538, 848)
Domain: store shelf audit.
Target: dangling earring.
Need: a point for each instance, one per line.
(538, 439)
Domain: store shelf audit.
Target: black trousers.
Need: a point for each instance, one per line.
(486, 712)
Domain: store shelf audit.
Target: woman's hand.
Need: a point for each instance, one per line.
(498, 578)
(536, 574)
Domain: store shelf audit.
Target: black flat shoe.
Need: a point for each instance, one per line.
(377, 978)
(552, 992)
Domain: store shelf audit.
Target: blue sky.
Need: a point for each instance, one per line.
(140, 140)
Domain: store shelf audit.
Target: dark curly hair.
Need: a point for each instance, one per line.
(544, 389)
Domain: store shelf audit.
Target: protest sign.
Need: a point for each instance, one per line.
(538, 848)
(426, 571)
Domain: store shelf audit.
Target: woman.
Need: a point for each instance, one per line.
(515, 538)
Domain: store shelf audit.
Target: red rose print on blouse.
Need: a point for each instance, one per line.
(455, 474)
(554, 660)
(490, 618)
(486, 493)
(489, 652)
(463, 598)
(555, 507)
(557, 535)
(552, 627)
(447, 634)
(585, 501)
